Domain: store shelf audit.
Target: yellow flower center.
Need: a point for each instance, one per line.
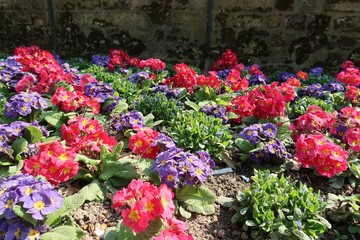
(39, 205)
(28, 191)
(33, 234)
(149, 206)
(63, 157)
(134, 215)
(9, 203)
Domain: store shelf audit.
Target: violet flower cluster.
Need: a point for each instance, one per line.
(36, 196)
(333, 87)
(23, 104)
(177, 168)
(216, 111)
(168, 92)
(284, 76)
(264, 136)
(317, 71)
(223, 73)
(104, 94)
(11, 71)
(100, 60)
(313, 90)
(14, 130)
(138, 77)
(126, 121)
(257, 79)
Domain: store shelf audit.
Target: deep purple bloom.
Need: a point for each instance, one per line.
(127, 121)
(164, 142)
(333, 87)
(216, 111)
(316, 71)
(340, 132)
(100, 60)
(134, 78)
(143, 75)
(23, 104)
(39, 205)
(257, 79)
(313, 90)
(100, 91)
(223, 73)
(269, 130)
(7, 200)
(251, 133)
(15, 229)
(282, 77)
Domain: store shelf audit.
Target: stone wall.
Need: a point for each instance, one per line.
(274, 33)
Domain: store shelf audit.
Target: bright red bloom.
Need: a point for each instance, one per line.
(302, 75)
(87, 136)
(136, 219)
(228, 60)
(42, 63)
(53, 161)
(328, 158)
(142, 202)
(352, 94)
(293, 82)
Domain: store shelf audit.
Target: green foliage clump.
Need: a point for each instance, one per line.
(301, 105)
(322, 79)
(159, 106)
(126, 89)
(281, 208)
(78, 63)
(194, 131)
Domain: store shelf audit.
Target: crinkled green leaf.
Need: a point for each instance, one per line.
(19, 146)
(21, 212)
(197, 199)
(33, 134)
(62, 233)
(94, 191)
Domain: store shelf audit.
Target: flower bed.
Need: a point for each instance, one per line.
(147, 136)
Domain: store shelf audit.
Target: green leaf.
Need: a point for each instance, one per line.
(301, 235)
(197, 199)
(104, 153)
(244, 145)
(324, 221)
(70, 204)
(225, 201)
(33, 134)
(337, 182)
(354, 229)
(118, 169)
(250, 223)
(117, 150)
(148, 119)
(61, 233)
(283, 230)
(94, 191)
(19, 146)
(50, 139)
(21, 212)
(120, 107)
(55, 118)
(120, 232)
(145, 165)
(193, 105)
(85, 159)
(184, 213)
(16, 169)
